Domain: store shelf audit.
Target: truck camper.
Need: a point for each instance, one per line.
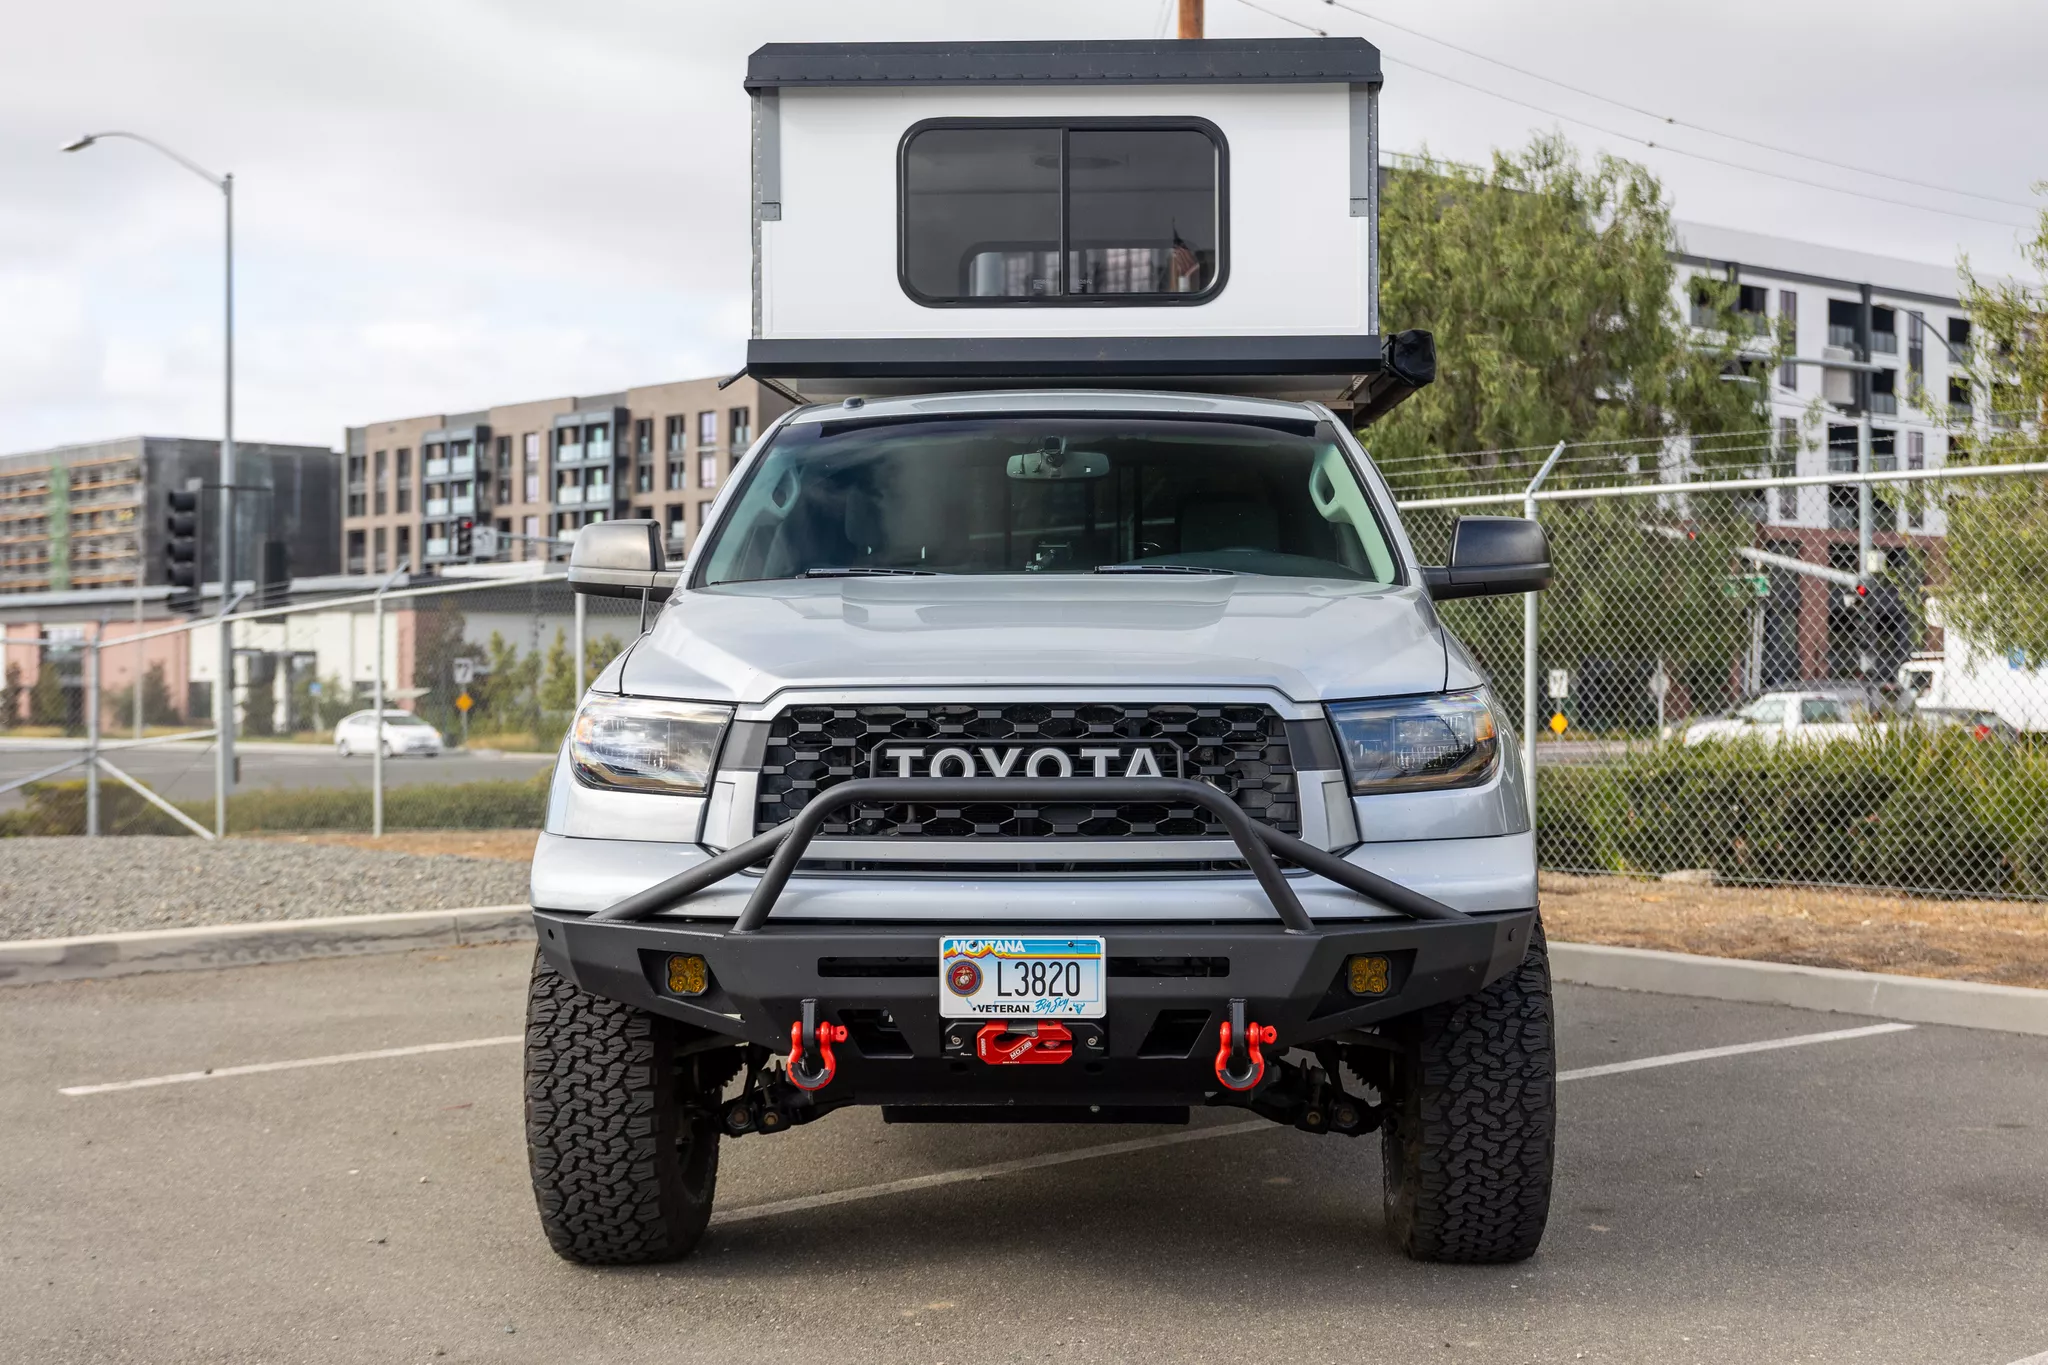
(1053, 723)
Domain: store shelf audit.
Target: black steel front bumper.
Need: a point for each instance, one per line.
(1159, 1033)
(1166, 985)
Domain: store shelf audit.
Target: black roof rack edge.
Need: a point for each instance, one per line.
(1143, 61)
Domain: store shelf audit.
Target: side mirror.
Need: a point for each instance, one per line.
(1491, 556)
(620, 559)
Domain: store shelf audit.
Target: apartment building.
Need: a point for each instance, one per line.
(536, 471)
(92, 515)
(1855, 309)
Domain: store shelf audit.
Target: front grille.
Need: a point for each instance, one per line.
(1239, 749)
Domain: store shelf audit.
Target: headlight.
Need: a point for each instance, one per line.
(643, 745)
(1406, 744)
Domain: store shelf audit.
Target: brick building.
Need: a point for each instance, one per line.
(537, 470)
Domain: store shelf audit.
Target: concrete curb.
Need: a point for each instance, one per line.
(28, 961)
(1915, 999)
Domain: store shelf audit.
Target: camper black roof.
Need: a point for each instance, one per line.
(1231, 61)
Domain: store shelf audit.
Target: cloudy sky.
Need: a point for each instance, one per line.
(443, 204)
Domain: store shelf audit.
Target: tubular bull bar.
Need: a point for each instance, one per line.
(770, 987)
(784, 845)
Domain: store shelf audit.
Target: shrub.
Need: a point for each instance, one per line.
(59, 808)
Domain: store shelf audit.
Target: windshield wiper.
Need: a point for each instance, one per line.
(866, 571)
(1158, 568)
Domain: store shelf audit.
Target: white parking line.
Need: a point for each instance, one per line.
(2041, 1359)
(255, 1068)
(1032, 1163)
(1112, 1149)
(1733, 1050)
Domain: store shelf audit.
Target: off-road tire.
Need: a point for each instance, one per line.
(621, 1133)
(1472, 1122)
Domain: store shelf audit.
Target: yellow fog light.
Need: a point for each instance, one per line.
(688, 975)
(1367, 975)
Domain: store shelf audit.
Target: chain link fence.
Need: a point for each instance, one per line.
(1817, 680)
(109, 725)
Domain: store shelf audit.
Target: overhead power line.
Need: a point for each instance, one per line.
(1675, 121)
(1647, 142)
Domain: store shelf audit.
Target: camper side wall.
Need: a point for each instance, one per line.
(1296, 260)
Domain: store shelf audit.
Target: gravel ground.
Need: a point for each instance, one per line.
(52, 888)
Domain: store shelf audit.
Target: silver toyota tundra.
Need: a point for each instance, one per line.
(1025, 757)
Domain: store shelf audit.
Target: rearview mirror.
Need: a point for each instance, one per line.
(620, 559)
(1053, 460)
(1491, 556)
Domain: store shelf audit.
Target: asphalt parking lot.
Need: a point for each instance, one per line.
(1877, 1197)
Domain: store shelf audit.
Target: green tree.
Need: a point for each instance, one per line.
(259, 705)
(558, 699)
(1548, 285)
(46, 696)
(1997, 548)
(437, 643)
(157, 707)
(507, 701)
(10, 698)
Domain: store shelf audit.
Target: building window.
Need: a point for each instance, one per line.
(529, 528)
(707, 471)
(379, 564)
(707, 428)
(676, 479)
(1884, 391)
(1959, 402)
(643, 478)
(1009, 213)
(1959, 334)
(643, 436)
(740, 423)
(355, 553)
(1788, 336)
(1844, 322)
(1884, 334)
(1916, 450)
(674, 441)
(402, 547)
(678, 527)
(381, 482)
(403, 478)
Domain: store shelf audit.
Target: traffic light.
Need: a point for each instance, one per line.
(465, 537)
(182, 550)
(274, 575)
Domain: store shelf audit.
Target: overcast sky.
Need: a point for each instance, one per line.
(443, 204)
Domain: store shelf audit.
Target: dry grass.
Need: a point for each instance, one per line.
(510, 845)
(1996, 941)
(2002, 942)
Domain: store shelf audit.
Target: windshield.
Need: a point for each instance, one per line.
(1004, 495)
(402, 718)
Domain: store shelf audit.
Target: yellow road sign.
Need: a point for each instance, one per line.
(1557, 723)
(464, 702)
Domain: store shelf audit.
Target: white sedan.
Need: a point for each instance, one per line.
(403, 733)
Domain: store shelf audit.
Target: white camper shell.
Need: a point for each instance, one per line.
(1169, 214)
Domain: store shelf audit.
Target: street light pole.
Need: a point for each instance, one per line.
(224, 686)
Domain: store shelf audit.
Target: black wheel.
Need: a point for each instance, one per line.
(1473, 1120)
(621, 1133)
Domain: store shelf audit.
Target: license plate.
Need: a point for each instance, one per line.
(1020, 978)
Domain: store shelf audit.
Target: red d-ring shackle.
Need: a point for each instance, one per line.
(826, 1035)
(1252, 1036)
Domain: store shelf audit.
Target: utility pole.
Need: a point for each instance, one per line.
(1190, 18)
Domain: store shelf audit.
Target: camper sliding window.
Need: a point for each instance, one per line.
(1062, 212)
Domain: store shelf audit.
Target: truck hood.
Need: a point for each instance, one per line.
(1308, 639)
